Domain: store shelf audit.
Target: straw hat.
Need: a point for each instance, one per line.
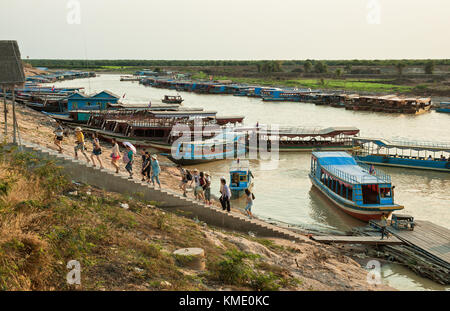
(195, 170)
(154, 156)
(78, 129)
(207, 173)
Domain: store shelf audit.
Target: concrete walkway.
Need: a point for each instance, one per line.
(108, 180)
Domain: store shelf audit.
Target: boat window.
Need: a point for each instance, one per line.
(385, 192)
(243, 178)
(235, 179)
(370, 194)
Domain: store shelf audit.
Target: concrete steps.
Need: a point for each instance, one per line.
(109, 180)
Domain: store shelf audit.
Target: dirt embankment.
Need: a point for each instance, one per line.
(46, 221)
(31, 71)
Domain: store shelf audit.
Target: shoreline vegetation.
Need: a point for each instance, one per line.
(415, 77)
(47, 220)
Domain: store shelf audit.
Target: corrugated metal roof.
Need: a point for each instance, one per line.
(11, 69)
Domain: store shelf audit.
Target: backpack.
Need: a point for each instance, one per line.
(188, 175)
(253, 196)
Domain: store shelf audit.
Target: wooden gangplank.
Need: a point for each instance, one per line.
(371, 240)
(428, 238)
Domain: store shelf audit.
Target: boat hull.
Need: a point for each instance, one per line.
(442, 166)
(361, 213)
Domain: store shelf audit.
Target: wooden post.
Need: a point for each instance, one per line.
(5, 111)
(14, 115)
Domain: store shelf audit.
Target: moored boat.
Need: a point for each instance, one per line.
(407, 154)
(227, 145)
(356, 189)
(168, 99)
(240, 178)
(443, 107)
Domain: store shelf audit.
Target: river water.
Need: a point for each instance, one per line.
(283, 190)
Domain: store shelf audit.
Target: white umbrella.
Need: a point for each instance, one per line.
(130, 145)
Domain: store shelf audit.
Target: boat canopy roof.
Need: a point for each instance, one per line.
(344, 166)
(240, 165)
(415, 145)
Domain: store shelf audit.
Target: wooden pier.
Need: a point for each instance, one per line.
(368, 240)
(431, 240)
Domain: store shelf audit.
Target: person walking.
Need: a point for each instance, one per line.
(129, 159)
(202, 183)
(225, 194)
(80, 144)
(96, 150)
(250, 197)
(115, 155)
(198, 190)
(207, 188)
(146, 166)
(184, 179)
(59, 134)
(156, 169)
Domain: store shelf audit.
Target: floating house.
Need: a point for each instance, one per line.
(98, 101)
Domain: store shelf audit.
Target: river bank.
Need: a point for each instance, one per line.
(130, 249)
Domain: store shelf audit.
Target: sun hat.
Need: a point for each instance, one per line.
(78, 129)
(207, 173)
(154, 156)
(195, 170)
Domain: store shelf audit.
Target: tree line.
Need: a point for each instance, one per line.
(262, 65)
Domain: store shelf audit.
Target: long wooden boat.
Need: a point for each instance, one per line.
(355, 189)
(406, 154)
(300, 139)
(227, 145)
(168, 99)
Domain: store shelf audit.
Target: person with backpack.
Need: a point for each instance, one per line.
(128, 158)
(202, 183)
(225, 194)
(185, 177)
(250, 197)
(146, 166)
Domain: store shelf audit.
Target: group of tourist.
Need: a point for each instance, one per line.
(150, 165)
(201, 183)
(150, 171)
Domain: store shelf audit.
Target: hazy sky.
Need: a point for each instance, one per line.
(228, 29)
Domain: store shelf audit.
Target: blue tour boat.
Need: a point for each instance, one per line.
(227, 145)
(409, 154)
(360, 191)
(443, 107)
(240, 178)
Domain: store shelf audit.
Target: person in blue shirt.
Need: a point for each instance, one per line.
(155, 171)
(129, 166)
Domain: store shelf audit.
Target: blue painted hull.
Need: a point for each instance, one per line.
(443, 166)
(364, 213)
(445, 110)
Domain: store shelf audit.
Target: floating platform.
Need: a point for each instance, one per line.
(368, 240)
(427, 238)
